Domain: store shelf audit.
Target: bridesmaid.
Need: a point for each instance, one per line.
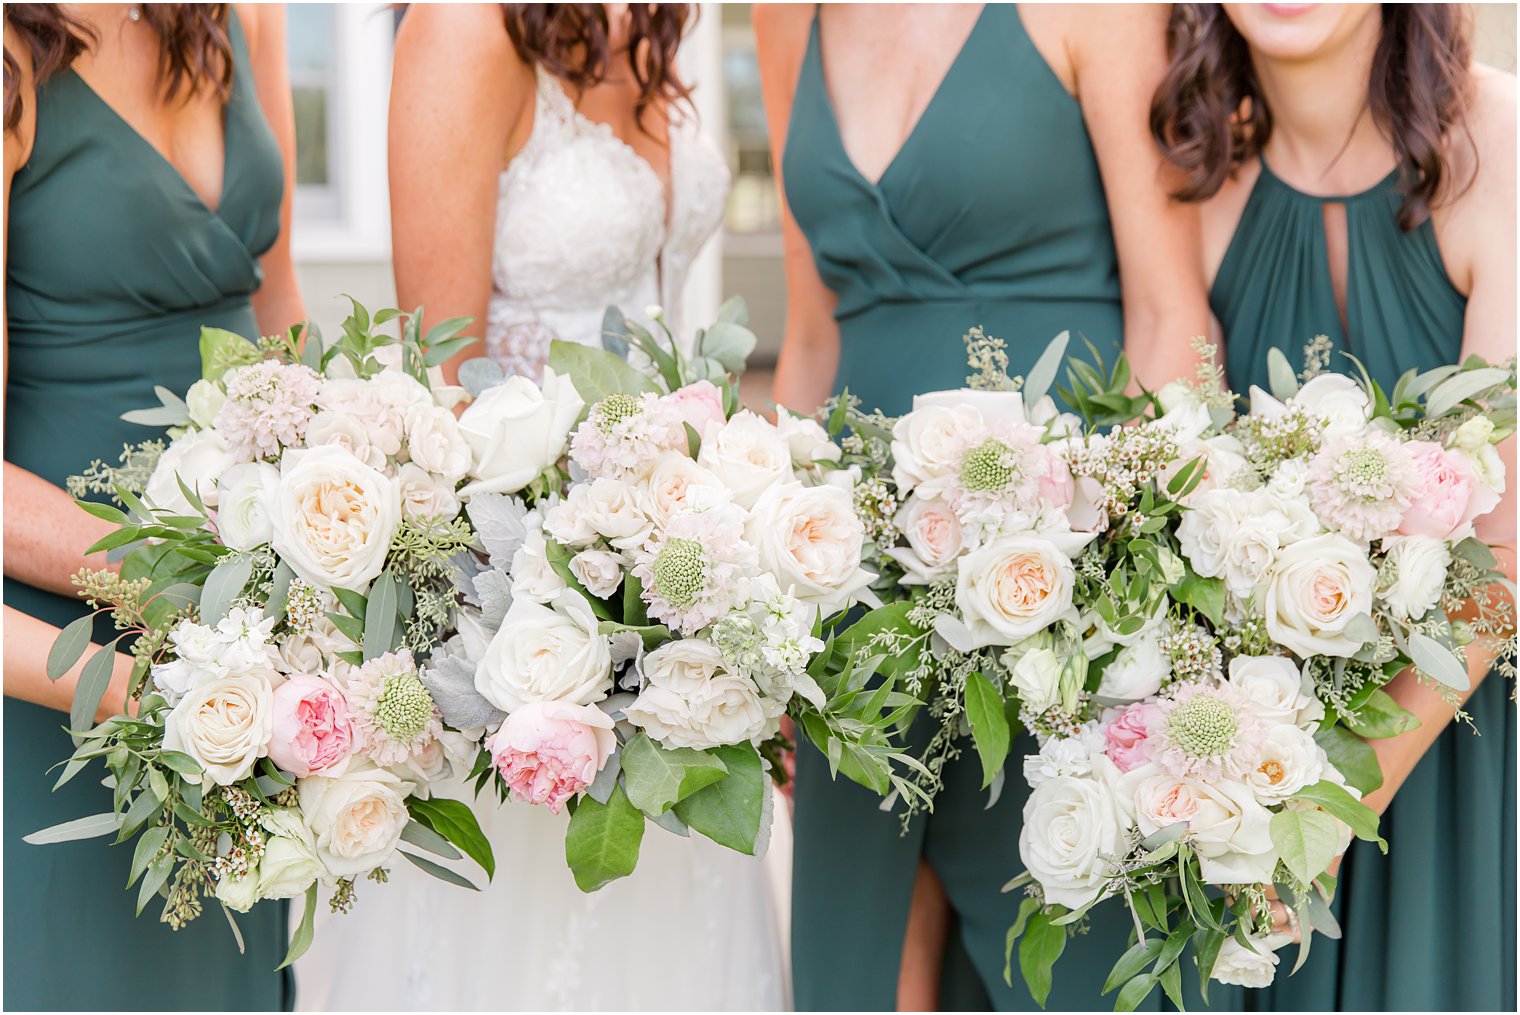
(148, 169)
(1368, 193)
(944, 167)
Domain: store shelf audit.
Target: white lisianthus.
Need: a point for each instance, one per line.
(290, 863)
(198, 458)
(1289, 760)
(1070, 824)
(604, 508)
(1037, 677)
(747, 454)
(1319, 585)
(1016, 586)
(333, 518)
(600, 571)
(667, 483)
(808, 441)
(533, 577)
(929, 442)
(1274, 687)
(1137, 671)
(426, 494)
(810, 538)
(356, 819)
(1418, 566)
(546, 654)
(224, 724)
(203, 401)
(245, 494)
(1244, 967)
(935, 538)
(516, 430)
(435, 442)
(1474, 439)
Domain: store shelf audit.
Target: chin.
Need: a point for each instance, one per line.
(1298, 31)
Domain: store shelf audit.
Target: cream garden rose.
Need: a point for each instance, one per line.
(516, 430)
(810, 538)
(356, 819)
(1319, 586)
(747, 454)
(544, 653)
(245, 494)
(1016, 586)
(669, 480)
(225, 724)
(333, 517)
(929, 442)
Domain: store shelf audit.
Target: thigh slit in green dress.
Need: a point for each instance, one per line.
(1430, 926)
(114, 264)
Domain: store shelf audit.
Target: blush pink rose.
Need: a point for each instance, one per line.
(1127, 735)
(1451, 495)
(313, 729)
(1056, 486)
(548, 751)
(698, 403)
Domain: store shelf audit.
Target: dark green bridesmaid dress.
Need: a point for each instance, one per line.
(992, 213)
(113, 265)
(1430, 926)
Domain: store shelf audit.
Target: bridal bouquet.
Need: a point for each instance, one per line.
(286, 569)
(657, 566)
(1253, 583)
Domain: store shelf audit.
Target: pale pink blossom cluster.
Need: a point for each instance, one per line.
(268, 407)
(625, 433)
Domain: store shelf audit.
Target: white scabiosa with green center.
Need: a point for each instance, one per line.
(1206, 730)
(623, 434)
(697, 569)
(1361, 485)
(392, 708)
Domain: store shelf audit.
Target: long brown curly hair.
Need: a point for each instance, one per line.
(1209, 116)
(195, 51)
(571, 41)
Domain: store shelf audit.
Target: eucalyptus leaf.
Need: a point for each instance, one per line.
(439, 871)
(1280, 376)
(380, 617)
(1042, 375)
(223, 585)
(423, 837)
(480, 373)
(80, 828)
(1438, 662)
(94, 679)
(729, 343)
(301, 939)
(1452, 392)
(69, 646)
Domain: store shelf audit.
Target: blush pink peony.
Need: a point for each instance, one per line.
(1127, 735)
(698, 403)
(548, 751)
(1450, 496)
(313, 728)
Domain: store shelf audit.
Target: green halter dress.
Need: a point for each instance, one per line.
(992, 213)
(1430, 926)
(113, 265)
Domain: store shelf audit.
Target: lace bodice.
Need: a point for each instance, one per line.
(582, 224)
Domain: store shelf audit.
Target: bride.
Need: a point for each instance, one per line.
(545, 163)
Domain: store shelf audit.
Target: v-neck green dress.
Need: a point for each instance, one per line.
(993, 214)
(1430, 926)
(114, 264)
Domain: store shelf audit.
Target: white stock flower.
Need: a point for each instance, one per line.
(333, 518)
(356, 819)
(516, 430)
(546, 654)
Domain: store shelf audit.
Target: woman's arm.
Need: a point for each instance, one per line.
(27, 642)
(277, 304)
(810, 346)
(461, 105)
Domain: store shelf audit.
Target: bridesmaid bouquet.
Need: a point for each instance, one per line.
(656, 570)
(1253, 583)
(286, 569)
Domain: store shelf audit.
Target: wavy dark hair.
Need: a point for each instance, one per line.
(194, 49)
(571, 41)
(1209, 117)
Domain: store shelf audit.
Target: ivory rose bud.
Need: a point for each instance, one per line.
(203, 401)
(600, 571)
(356, 819)
(935, 538)
(548, 751)
(425, 494)
(435, 442)
(516, 430)
(333, 518)
(313, 729)
(245, 494)
(1016, 586)
(1320, 584)
(290, 863)
(1036, 676)
(1240, 966)
(546, 654)
(224, 724)
(808, 441)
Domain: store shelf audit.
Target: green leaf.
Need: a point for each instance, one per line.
(989, 725)
(1038, 380)
(301, 939)
(1280, 376)
(1135, 992)
(439, 871)
(279, 590)
(1027, 908)
(1206, 595)
(1333, 799)
(353, 602)
(635, 611)
(94, 679)
(734, 310)
(221, 350)
(445, 351)
(105, 512)
(70, 645)
(1042, 946)
(1380, 716)
(80, 828)
(380, 617)
(1452, 392)
(1352, 756)
(1306, 842)
(423, 837)
(729, 343)
(729, 811)
(596, 373)
(456, 822)
(602, 842)
(1205, 951)
(656, 777)
(158, 872)
(1438, 662)
(1140, 955)
(223, 585)
(148, 845)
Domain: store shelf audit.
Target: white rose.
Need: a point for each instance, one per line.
(1274, 687)
(1320, 584)
(690, 700)
(356, 818)
(747, 454)
(810, 539)
(1016, 586)
(1070, 824)
(1342, 401)
(334, 518)
(991, 406)
(434, 442)
(533, 577)
(1288, 761)
(516, 430)
(224, 724)
(204, 400)
(1474, 439)
(1226, 826)
(245, 494)
(290, 863)
(1174, 394)
(935, 539)
(1036, 676)
(1263, 526)
(352, 433)
(808, 441)
(1137, 671)
(546, 654)
(426, 494)
(1208, 529)
(1418, 565)
(603, 508)
(599, 571)
(667, 483)
(314, 649)
(1188, 419)
(198, 459)
(1243, 967)
(929, 442)
(238, 894)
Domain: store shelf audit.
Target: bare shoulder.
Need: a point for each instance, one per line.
(1108, 31)
(253, 18)
(459, 31)
(460, 57)
(1492, 123)
(781, 32)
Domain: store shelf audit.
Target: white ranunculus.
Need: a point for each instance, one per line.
(1289, 478)
(1226, 826)
(1274, 687)
(204, 400)
(1137, 671)
(1342, 401)
(809, 442)
(313, 650)
(1016, 586)
(1036, 676)
(1288, 761)
(199, 458)
(810, 539)
(435, 442)
(935, 538)
(546, 654)
(245, 494)
(604, 508)
(426, 494)
(1263, 526)
(1208, 529)
(600, 571)
(334, 518)
(1242, 967)
(666, 484)
(356, 818)
(224, 724)
(533, 577)
(1319, 585)
(352, 433)
(290, 863)
(929, 442)
(516, 430)
(747, 454)
(690, 700)
(1070, 824)
(1418, 565)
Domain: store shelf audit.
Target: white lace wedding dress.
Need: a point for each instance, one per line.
(582, 222)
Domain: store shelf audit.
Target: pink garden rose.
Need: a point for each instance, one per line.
(548, 751)
(698, 403)
(1126, 735)
(1451, 494)
(313, 730)
(1056, 486)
